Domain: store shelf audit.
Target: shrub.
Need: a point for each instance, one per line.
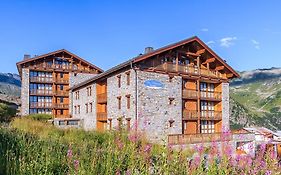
(40, 117)
(6, 113)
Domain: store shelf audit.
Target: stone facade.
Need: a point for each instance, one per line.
(88, 119)
(225, 107)
(113, 92)
(156, 116)
(74, 79)
(25, 92)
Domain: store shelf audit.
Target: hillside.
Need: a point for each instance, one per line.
(10, 87)
(256, 99)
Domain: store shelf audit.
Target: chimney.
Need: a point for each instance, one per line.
(26, 57)
(148, 49)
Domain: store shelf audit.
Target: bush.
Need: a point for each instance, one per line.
(6, 113)
(40, 117)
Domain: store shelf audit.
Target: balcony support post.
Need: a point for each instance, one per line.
(198, 105)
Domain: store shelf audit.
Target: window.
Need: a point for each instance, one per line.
(77, 95)
(61, 99)
(207, 126)
(87, 110)
(171, 100)
(61, 87)
(89, 91)
(61, 111)
(128, 101)
(72, 122)
(75, 109)
(128, 78)
(91, 107)
(61, 75)
(119, 80)
(78, 109)
(61, 123)
(128, 123)
(119, 102)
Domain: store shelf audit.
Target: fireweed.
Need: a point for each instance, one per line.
(32, 147)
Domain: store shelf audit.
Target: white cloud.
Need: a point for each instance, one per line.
(204, 30)
(227, 41)
(256, 44)
(210, 43)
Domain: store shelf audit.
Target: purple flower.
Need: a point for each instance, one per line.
(147, 148)
(76, 164)
(268, 172)
(69, 153)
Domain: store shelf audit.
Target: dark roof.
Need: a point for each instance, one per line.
(153, 53)
(55, 52)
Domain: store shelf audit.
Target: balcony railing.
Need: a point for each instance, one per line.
(176, 139)
(61, 81)
(64, 67)
(61, 93)
(190, 115)
(189, 93)
(41, 92)
(61, 106)
(102, 98)
(40, 105)
(102, 116)
(187, 69)
(41, 79)
(211, 115)
(210, 95)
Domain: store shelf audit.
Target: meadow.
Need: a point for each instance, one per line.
(29, 146)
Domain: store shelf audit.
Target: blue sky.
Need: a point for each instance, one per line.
(245, 33)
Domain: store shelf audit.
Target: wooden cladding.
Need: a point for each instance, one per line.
(203, 115)
(102, 98)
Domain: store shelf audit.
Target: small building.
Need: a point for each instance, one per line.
(176, 94)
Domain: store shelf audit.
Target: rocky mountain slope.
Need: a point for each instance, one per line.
(256, 99)
(10, 88)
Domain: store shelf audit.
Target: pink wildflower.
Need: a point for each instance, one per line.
(76, 164)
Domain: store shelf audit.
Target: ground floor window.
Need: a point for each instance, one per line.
(207, 126)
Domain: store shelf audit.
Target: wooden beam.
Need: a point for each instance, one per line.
(209, 60)
(199, 52)
(229, 75)
(188, 53)
(219, 68)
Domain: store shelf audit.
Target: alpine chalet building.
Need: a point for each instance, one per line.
(175, 93)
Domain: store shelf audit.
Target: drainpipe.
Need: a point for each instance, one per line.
(136, 96)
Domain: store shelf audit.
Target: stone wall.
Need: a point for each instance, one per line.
(25, 92)
(113, 91)
(74, 79)
(225, 106)
(154, 108)
(88, 119)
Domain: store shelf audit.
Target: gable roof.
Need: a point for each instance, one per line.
(53, 53)
(153, 53)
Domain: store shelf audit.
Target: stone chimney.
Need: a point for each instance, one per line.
(26, 57)
(148, 49)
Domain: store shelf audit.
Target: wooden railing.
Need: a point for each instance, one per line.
(210, 95)
(61, 93)
(190, 115)
(211, 115)
(177, 139)
(40, 92)
(61, 106)
(41, 79)
(62, 81)
(102, 98)
(64, 67)
(102, 116)
(40, 105)
(189, 93)
(187, 69)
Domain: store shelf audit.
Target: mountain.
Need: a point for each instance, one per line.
(10, 85)
(255, 99)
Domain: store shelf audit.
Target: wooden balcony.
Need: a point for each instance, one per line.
(213, 96)
(211, 115)
(41, 79)
(61, 81)
(61, 67)
(188, 69)
(40, 105)
(40, 92)
(61, 93)
(102, 116)
(189, 94)
(190, 115)
(61, 106)
(102, 98)
(178, 139)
